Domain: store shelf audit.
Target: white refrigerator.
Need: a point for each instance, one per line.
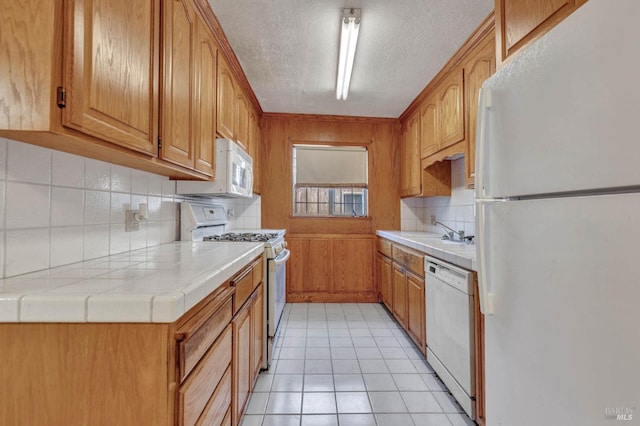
(558, 224)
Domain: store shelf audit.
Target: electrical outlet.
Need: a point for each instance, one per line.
(130, 223)
(433, 219)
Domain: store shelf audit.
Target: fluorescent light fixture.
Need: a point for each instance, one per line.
(348, 41)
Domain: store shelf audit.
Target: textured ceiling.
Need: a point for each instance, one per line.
(289, 50)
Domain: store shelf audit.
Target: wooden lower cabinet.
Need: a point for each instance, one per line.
(217, 407)
(86, 374)
(248, 337)
(257, 330)
(402, 288)
(385, 277)
(198, 370)
(242, 369)
(195, 393)
(331, 268)
(416, 324)
(400, 294)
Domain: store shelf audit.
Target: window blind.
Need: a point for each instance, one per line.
(333, 166)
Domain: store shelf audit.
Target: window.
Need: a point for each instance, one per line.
(329, 181)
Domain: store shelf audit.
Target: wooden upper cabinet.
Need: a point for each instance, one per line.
(226, 101)
(519, 22)
(404, 171)
(428, 128)
(242, 121)
(413, 144)
(479, 66)
(110, 71)
(206, 78)
(450, 109)
(410, 160)
(178, 121)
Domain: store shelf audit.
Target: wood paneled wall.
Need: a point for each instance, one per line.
(279, 133)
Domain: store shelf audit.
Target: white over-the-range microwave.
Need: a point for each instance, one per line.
(233, 175)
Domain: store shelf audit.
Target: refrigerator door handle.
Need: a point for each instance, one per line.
(484, 277)
(484, 103)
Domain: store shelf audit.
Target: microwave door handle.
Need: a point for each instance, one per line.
(250, 179)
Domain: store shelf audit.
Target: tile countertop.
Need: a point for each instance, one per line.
(155, 284)
(462, 255)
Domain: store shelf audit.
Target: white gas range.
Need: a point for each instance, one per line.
(202, 221)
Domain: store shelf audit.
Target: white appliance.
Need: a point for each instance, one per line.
(557, 209)
(233, 174)
(201, 221)
(450, 325)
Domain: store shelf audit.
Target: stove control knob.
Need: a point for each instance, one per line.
(284, 244)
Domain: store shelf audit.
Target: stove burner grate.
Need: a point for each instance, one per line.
(247, 236)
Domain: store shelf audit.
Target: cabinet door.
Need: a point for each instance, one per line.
(400, 294)
(178, 117)
(110, 69)
(310, 266)
(410, 157)
(480, 66)
(519, 22)
(428, 128)
(257, 331)
(413, 148)
(416, 310)
(384, 281)
(242, 121)
(206, 74)
(242, 369)
(478, 335)
(450, 115)
(353, 266)
(226, 101)
(404, 160)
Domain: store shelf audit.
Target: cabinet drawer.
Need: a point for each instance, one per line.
(244, 287)
(384, 247)
(196, 391)
(411, 259)
(196, 344)
(219, 403)
(258, 272)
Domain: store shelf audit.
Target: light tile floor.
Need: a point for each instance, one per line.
(348, 364)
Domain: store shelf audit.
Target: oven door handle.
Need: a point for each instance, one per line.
(282, 257)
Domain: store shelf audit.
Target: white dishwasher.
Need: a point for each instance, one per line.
(450, 340)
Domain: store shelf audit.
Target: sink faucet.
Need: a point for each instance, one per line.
(449, 234)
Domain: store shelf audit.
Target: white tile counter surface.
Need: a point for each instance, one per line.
(154, 284)
(462, 255)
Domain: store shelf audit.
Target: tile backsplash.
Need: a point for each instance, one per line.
(57, 208)
(456, 211)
